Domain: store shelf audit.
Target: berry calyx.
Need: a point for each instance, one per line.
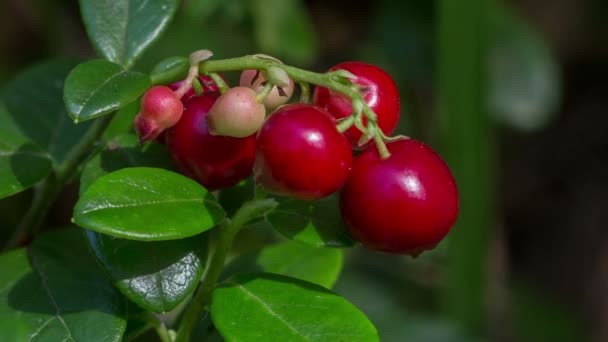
(379, 93)
(301, 154)
(236, 113)
(255, 80)
(404, 204)
(216, 162)
(160, 109)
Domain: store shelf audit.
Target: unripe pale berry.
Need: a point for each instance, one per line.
(237, 113)
(274, 98)
(160, 109)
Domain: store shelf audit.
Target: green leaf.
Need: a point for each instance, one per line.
(35, 109)
(265, 307)
(155, 275)
(170, 70)
(22, 164)
(122, 29)
(284, 29)
(233, 197)
(122, 152)
(147, 204)
(99, 87)
(320, 266)
(318, 223)
(524, 76)
(61, 294)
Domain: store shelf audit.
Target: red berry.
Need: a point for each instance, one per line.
(160, 109)
(237, 113)
(216, 162)
(206, 81)
(301, 154)
(404, 204)
(379, 92)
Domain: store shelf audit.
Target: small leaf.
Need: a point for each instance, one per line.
(320, 266)
(284, 29)
(170, 70)
(61, 294)
(267, 307)
(35, 109)
(318, 223)
(122, 29)
(122, 152)
(155, 275)
(147, 204)
(22, 164)
(99, 87)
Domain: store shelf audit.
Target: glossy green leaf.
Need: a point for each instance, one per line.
(284, 29)
(99, 87)
(147, 204)
(35, 109)
(268, 307)
(59, 294)
(122, 29)
(156, 275)
(318, 223)
(22, 164)
(524, 77)
(320, 266)
(122, 122)
(170, 70)
(122, 152)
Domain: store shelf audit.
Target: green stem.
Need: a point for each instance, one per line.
(265, 91)
(227, 231)
(304, 92)
(219, 81)
(46, 192)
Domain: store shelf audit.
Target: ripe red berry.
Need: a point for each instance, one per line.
(216, 162)
(160, 109)
(206, 81)
(301, 154)
(236, 113)
(404, 204)
(379, 92)
(274, 99)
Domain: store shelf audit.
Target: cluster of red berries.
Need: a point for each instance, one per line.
(404, 203)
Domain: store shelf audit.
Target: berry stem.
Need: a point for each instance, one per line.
(48, 190)
(187, 85)
(219, 81)
(380, 145)
(227, 231)
(345, 124)
(265, 91)
(304, 92)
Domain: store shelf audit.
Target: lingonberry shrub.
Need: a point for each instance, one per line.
(152, 214)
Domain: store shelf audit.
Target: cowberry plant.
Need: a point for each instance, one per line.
(160, 209)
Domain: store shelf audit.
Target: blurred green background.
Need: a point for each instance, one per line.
(513, 94)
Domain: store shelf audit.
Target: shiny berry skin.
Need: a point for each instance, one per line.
(301, 154)
(215, 162)
(236, 113)
(160, 109)
(379, 92)
(405, 204)
(274, 98)
(206, 82)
